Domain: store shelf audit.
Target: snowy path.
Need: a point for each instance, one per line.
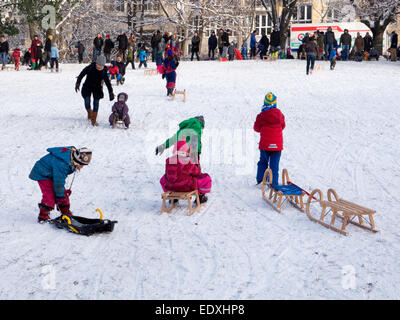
(342, 132)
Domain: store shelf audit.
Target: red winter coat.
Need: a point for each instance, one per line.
(270, 124)
(34, 45)
(113, 70)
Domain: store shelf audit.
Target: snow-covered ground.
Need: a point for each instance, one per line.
(342, 132)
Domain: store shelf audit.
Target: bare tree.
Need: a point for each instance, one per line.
(281, 19)
(377, 15)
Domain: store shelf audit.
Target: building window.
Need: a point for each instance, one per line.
(303, 14)
(263, 24)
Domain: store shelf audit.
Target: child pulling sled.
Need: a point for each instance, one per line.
(51, 172)
(168, 70)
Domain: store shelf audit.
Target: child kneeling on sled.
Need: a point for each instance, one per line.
(51, 171)
(270, 124)
(183, 175)
(120, 111)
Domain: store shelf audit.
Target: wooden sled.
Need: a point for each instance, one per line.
(118, 124)
(269, 58)
(179, 92)
(286, 191)
(8, 68)
(171, 196)
(334, 205)
(150, 72)
(319, 68)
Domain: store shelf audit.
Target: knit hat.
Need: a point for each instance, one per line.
(81, 156)
(101, 60)
(270, 101)
(201, 119)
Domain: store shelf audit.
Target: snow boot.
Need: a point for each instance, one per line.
(89, 114)
(94, 117)
(202, 197)
(64, 209)
(44, 213)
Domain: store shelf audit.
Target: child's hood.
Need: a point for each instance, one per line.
(63, 153)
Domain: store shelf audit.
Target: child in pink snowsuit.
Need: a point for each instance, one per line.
(182, 175)
(120, 110)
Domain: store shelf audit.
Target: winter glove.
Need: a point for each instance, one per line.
(112, 96)
(68, 192)
(160, 149)
(77, 87)
(163, 75)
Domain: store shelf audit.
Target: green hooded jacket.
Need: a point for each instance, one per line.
(192, 129)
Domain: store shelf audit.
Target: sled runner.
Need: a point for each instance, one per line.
(171, 196)
(120, 124)
(150, 72)
(285, 192)
(84, 226)
(319, 68)
(179, 92)
(345, 210)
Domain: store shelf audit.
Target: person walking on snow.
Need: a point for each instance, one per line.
(95, 73)
(168, 70)
(270, 123)
(51, 172)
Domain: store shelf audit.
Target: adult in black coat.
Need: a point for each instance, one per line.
(368, 42)
(195, 46)
(122, 40)
(275, 40)
(264, 42)
(212, 45)
(81, 49)
(95, 74)
(47, 49)
(108, 46)
(4, 48)
(98, 43)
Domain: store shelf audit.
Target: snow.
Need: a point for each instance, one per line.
(341, 133)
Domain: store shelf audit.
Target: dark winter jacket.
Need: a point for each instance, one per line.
(311, 47)
(368, 43)
(359, 44)
(155, 40)
(98, 43)
(121, 108)
(122, 41)
(329, 38)
(81, 48)
(275, 39)
(394, 41)
(108, 46)
(121, 67)
(93, 83)
(225, 39)
(55, 166)
(253, 40)
(35, 47)
(345, 39)
(195, 44)
(47, 45)
(4, 47)
(212, 42)
(270, 124)
(265, 43)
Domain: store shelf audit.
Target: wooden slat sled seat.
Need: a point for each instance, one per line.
(278, 194)
(171, 196)
(339, 208)
(179, 92)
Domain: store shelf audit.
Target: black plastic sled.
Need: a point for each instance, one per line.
(84, 226)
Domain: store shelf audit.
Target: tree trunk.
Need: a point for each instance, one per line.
(378, 39)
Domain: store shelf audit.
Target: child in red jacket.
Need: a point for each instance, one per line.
(17, 58)
(113, 72)
(270, 124)
(182, 175)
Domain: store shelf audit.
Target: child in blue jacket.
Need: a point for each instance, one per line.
(54, 58)
(51, 172)
(142, 58)
(332, 55)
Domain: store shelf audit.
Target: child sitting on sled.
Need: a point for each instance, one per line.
(51, 171)
(168, 70)
(113, 72)
(183, 175)
(270, 124)
(120, 111)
